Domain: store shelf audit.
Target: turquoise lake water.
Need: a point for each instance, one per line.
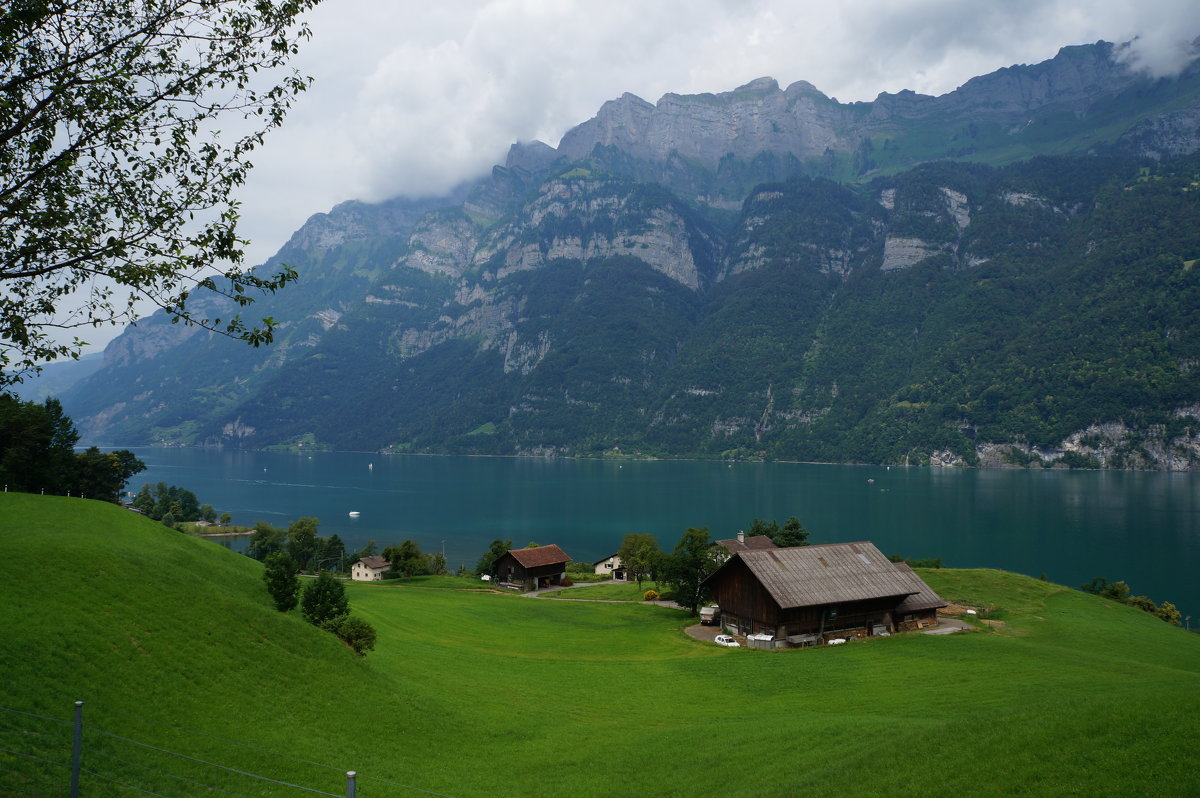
(1068, 525)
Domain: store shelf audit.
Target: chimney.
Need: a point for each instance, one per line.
(741, 536)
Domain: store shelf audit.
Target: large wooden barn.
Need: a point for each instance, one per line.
(812, 594)
(534, 568)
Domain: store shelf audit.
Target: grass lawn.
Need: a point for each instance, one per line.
(172, 641)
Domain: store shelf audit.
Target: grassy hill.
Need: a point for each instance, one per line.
(172, 642)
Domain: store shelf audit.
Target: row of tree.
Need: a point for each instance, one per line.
(37, 454)
(323, 602)
(171, 504)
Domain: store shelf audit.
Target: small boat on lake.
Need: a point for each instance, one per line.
(354, 513)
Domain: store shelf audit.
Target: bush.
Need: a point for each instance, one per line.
(282, 584)
(324, 601)
(650, 595)
(356, 633)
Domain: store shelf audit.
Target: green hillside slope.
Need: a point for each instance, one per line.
(171, 641)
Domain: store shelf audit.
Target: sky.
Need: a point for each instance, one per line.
(412, 97)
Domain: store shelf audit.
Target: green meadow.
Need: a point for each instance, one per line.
(174, 647)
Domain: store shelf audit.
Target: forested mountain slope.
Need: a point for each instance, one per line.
(609, 297)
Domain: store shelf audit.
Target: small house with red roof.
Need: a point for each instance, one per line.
(534, 568)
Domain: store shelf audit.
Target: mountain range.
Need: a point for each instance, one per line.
(1002, 275)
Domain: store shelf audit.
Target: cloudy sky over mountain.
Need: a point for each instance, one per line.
(412, 97)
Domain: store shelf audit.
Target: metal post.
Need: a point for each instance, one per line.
(77, 749)
(350, 788)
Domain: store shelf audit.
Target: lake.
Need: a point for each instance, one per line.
(1068, 525)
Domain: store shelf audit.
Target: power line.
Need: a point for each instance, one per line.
(215, 765)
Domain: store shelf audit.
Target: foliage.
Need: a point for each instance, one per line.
(405, 559)
(37, 454)
(115, 182)
(356, 633)
(496, 550)
(685, 569)
(265, 541)
(792, 533)
(1120, 592)
(303, 544)
(650, 595)
(102, 475)
(282, 583)
(158, 500)
(640, 555)
(324, 600)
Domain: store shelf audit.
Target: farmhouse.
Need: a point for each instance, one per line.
(369, 569)
(812, 594)
(613, 566)
(532, 568)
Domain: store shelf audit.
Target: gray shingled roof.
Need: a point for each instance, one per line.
(924, 599)
(375, 561)
(805, 576)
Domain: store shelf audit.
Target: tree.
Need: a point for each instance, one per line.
(224, 519)
(792, 533)
(102, 475)
(406, 558)
(265, 541)
(640, 555)
(282, 584)
(357, 633)
(324, 601)
(302, 542)
(116, 183)
(497, 550)
(37, 446)
(207, 513)
(694, 558)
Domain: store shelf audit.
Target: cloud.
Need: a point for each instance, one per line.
(412, 98)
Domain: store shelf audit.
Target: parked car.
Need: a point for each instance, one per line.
(710, 615)
(726, 640)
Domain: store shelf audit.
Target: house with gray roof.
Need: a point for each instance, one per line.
(812, 594)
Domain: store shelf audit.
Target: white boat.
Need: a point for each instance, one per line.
(354, 513)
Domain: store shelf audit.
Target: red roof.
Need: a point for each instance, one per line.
(542, 555)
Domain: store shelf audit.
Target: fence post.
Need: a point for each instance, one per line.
(76, 749)
(350, 787)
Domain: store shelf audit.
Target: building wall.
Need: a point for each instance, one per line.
(361, 573)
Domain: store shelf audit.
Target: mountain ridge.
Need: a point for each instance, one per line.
(614, 294)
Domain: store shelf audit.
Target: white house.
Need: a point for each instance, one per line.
(612, 565)
(369, 569)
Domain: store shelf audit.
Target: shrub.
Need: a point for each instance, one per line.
(324, 601)
(356, 633)
(650, 595)
(282, 584)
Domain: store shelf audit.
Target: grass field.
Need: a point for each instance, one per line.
(172, 642)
